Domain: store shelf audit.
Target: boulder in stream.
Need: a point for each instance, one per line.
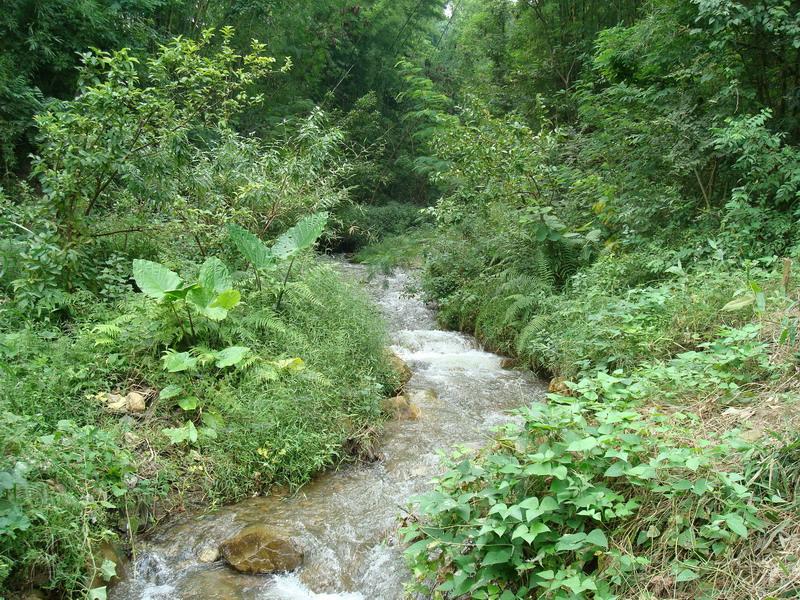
(260, 549)
(400, 367)
(401, 407)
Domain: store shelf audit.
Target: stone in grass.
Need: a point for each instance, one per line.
(260, 549)
(131, 403)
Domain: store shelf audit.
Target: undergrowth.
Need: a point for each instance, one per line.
(616, 489)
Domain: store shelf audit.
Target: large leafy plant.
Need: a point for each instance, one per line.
(211, 296)
(544, 513)
(287, 247)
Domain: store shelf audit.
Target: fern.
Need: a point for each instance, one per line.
(521, 306)
(106, 334)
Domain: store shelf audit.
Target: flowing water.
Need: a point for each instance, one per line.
(346, 521)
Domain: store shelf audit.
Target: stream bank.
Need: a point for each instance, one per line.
(345, 522)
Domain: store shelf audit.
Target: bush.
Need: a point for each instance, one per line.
(360, 225)
(593, 497)
(62, 488)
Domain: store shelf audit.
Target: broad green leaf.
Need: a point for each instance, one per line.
(301, 236)
(188, 403)
(215, 276)
(231, 356)
(155, 280)
(201, 298)
(180, 293)
(251, 247)
(212, 420)
(293, 365)
(583, 445)
(686, 575)
(98, 593)
(175, 362)
(171, 391)
(178, 435)
(598, 538)
(497, 557)
(571, 541)
(226, 300)
(736, 524)
(108, 570)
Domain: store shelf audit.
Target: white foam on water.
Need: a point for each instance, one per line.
(289, 587)
(445, 352)
(158, 592)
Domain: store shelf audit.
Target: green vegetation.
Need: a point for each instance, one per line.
(609, 192)
(619, 211)
(168, 337)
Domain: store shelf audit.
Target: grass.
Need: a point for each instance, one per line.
(74, 475)
(630, 337)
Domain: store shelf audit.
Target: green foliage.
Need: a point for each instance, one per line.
(547, 509)
(62, 488)
(364, 225)
(210, 296)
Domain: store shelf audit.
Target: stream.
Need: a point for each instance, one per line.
(346, 521)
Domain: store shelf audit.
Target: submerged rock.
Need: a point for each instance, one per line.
(401, 407)
(400, 367)
(208, 555)
(259, 549)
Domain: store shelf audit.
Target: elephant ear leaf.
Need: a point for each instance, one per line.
(155, 280)
(231, 356)
(214, 276)
(301, 236)
(250, 246)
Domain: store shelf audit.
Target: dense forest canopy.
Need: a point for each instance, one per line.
(608, 191)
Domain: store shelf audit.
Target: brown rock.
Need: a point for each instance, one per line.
(558, 385)
(400, 367)
(508, 363)
(259, 549)
(401, 407)
(135, 402)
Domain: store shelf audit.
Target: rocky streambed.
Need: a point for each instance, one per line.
(336, 538)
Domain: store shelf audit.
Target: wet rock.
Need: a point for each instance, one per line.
(400, 367)
(558, 385)
(422, 397)
(259, 549)
(509, 363)
(208, 555)
(401, 407)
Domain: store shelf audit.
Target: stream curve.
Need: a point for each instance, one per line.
(346, 521)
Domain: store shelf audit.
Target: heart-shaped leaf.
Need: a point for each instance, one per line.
(155, 280)
(231, 356)
(175, 362)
